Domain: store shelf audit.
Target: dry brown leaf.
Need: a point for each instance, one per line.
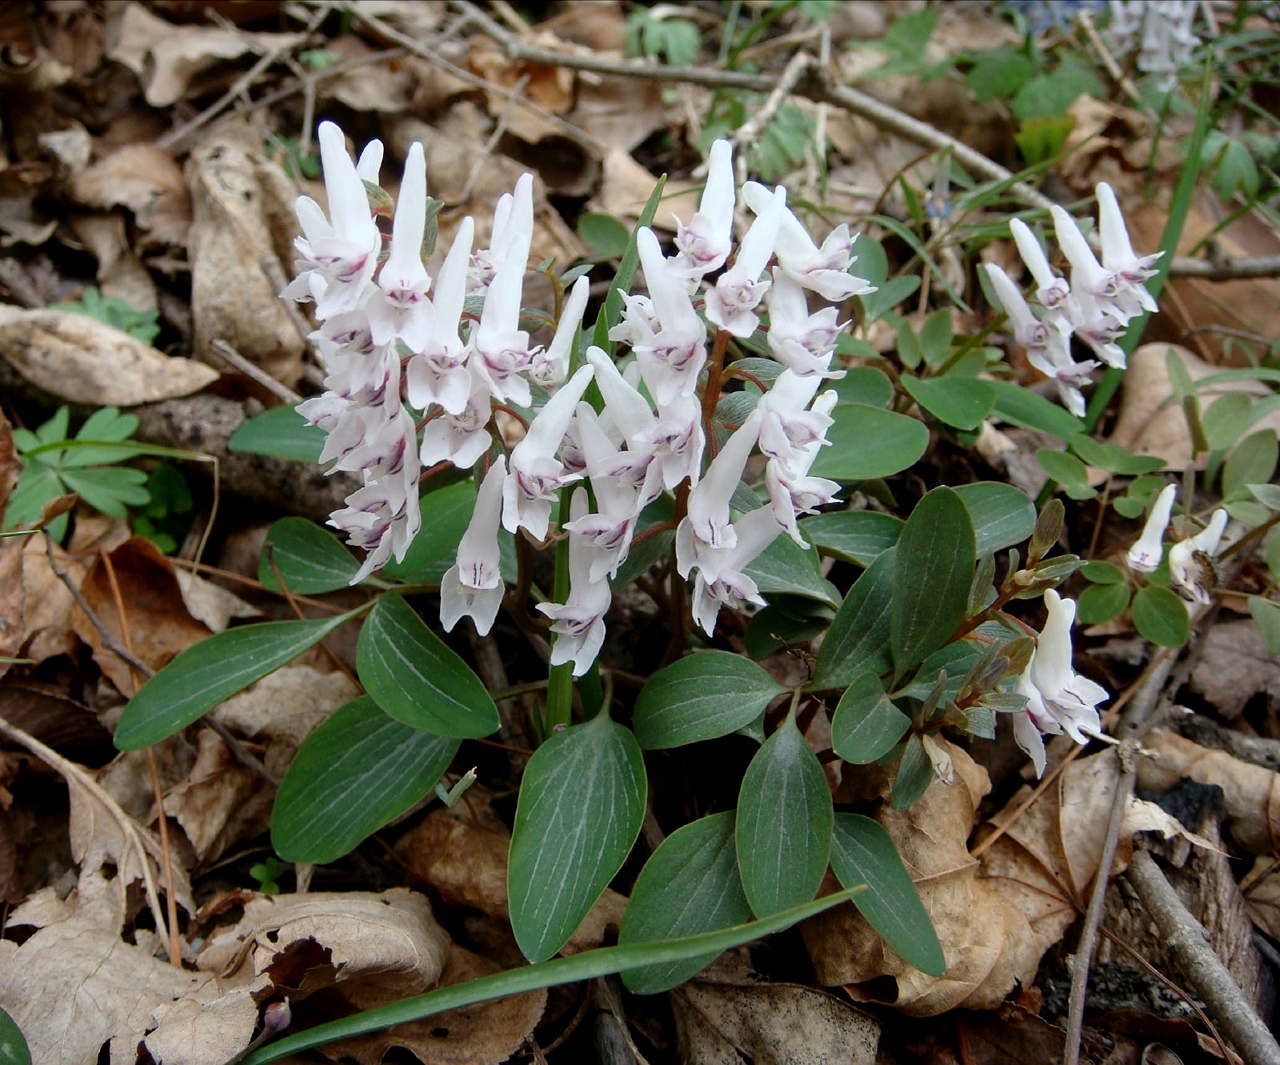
(81, 360)
(1251, 794)
(770, 1024)
(1235, 666)
(46, 616)
(376, 947)
(242, 207)
(484, 1034)
(1261, 887)
(466, 865)
(1151, 425)
(159, 624)
(550, 87)
(386, 87)
(211, 603)
(619, 112)
(167, 58)
(627, 186)
(121, 274)
(145, 179)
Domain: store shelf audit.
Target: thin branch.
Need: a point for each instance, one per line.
(1225, 269)
(1208, 976)
(1128, 755)
(235, 359)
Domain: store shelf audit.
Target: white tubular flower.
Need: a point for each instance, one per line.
(473, 585)
(704, 243)
(460, 438)
(678, 441)
(1058, 698)
(1051, 290)
(620, 496)
(512, 215)
(500, 347)
(788, 431)
(738, 291)
(404, 312)
(579, 622)
(438, 372)
(672, 357)
(628, 409)
(370, 162)
(801, 341)
(536, 474)
(1191, 560)
(1117, 252)
(730, 587)
(340, 253)
(707, 532)
(822, 270)
(548, 368)
(1144, 556)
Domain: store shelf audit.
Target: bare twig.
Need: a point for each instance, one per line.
(1188, 942)
(1128, 755)
(1225, 269)
(235, 359)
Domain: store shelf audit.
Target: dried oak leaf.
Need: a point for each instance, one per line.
(81, 360)
(242, 206)
(145, 179)
(1251, 794)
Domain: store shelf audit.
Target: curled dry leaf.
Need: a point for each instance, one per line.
(81, 360)
(550, 87)
(1236, 666)
(211, 603)
(466, 865)
(1152, 425)
(168, 58)
(484, 1034)
(46, 617)
(1251, 794)
(627, 186)
(121, 274)
(242, 207)
(376, 947)
(145, 179)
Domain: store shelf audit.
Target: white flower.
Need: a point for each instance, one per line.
(1144, 556)
(672, 357)
(706, 241)
(460, 438)
(730, 586)
(738, 291)
(1190, 561)
(438, 372)
(801, 341)
(404, 312)
(706, 532)
(549, 367)
(579, 621)
(473, 585)
(1052, 291)
(1058, 698)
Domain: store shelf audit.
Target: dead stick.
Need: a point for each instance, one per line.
(1202, 967)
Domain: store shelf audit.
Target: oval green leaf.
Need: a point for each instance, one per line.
(962, 402)
(864, 384)
(1028, 410)
(857, 536)
(858, 640)
(701, 697)
(282, 433)
(786, 567)
(862, 852)
(310, 560)
(581, 804)
(416, 678)
(13, 1046)
(213, 670)
(932, 578)
(866, 724)
(1102, 602)
(783, 829)
(1001, 514)
(1161, 617)
(357, 772)
(868, 442)
(689, 885)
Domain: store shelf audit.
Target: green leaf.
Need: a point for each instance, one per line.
(932, 578)
(211, 671)
(357, 772)
(1252, 461)
(1113, 458)
(309, 559)
(13, 1047)
(858, 640)
(1051, 95)
(1266, 615)
(689, 885)
(585, 966)
(1225, 420)
(935, 338)
(998, 72)
(783, 829)
(1029, 410)
(875, 305)
(962, 402)
(416, 678)
(282, 433)
(109, 488)
(1102, 572)
(867, 442)
(866, 725)
(1064, 468)
(915, 774)
(37, 485)
(1160, 616)
(1266, 494)
(864, 384)
(1001, 514)
(862, 852)
(581, 804)
(701, 697)
(1102, 602)
(785, 567)
(857, 536)
(604, 235)
(446, 513)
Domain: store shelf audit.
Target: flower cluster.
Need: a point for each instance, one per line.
(1167, 38)
(1096, 306)
(1190, 560)
(407, 355)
